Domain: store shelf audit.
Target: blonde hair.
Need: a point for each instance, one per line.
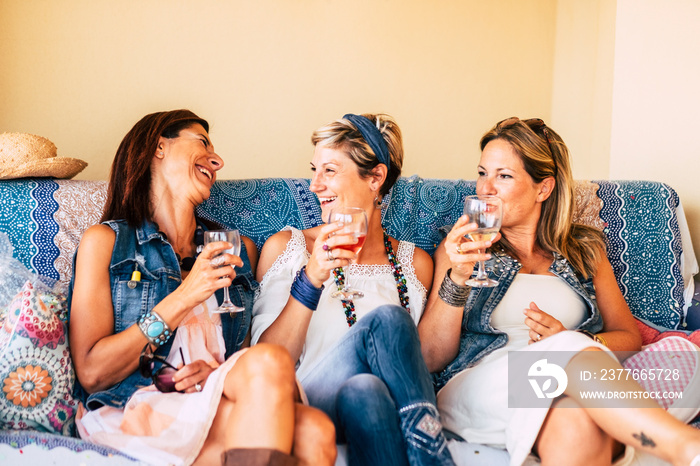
(343, 135)
(544, 155)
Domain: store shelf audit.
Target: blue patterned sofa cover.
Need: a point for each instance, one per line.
(649, 244)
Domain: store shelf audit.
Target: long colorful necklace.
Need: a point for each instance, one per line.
(349, 305)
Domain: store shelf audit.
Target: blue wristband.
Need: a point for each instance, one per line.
(304, 291)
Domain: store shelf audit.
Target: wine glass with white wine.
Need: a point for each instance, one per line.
(487, 213)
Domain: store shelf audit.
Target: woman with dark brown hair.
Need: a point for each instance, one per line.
(142, 302)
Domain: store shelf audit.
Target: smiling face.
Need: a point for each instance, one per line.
(502, 173)
(337, 182)
(188, 162)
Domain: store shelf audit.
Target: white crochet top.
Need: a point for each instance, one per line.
(328, 324)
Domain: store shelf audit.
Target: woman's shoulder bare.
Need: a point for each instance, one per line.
(277, 242)
(273, 247)
(98, 235)
(96, 247)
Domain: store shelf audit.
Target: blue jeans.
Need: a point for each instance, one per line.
(373, 372)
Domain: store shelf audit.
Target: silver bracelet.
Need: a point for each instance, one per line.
(452, 293)
(154, 328)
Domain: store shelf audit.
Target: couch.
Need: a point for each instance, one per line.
(649, 248)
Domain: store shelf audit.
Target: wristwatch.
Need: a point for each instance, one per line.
(594, 337)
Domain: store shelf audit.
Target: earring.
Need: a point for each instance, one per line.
(161, 153)
(377, 202)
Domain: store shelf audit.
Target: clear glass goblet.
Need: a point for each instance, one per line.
(487, 213)
(233, 237)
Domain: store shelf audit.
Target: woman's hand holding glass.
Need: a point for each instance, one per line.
(354, 227)
(464, 254)
(213, 269)
(232, 238)
(487, 213)
(327, 253)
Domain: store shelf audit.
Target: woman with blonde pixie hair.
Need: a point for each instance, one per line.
(358, 359)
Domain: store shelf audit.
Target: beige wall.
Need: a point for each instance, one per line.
(267, 73)
(615, 78)
(656, 99)
(582, 86)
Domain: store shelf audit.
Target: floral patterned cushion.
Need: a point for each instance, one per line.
(36, 372)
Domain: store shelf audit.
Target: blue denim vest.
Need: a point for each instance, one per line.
(479, 338)
(145, 249)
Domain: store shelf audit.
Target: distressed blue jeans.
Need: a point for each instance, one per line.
(375, 387)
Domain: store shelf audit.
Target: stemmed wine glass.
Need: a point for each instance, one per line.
(354, 222)
(233, 237)
(487, 213)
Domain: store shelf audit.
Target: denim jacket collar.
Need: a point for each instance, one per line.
(146, 232)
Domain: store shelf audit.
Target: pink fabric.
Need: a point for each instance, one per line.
(668, 365)
(168, 428)
(652, 335)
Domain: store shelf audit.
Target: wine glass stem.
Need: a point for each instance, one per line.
(227, 299)
(481, 273)
(346, 272)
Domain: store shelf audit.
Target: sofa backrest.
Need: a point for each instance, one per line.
(45, 219)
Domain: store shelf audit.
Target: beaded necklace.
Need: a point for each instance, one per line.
(349, 305)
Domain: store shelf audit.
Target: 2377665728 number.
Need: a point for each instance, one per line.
(640, 374)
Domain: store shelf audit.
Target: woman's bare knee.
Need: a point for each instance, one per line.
(314, 437)
(570, 435)
(264, 368)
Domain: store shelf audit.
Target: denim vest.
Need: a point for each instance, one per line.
(145, 249)
(478, 338)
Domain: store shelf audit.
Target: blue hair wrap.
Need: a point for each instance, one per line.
(373, 137)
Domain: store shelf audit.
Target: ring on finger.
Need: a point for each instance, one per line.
(539, 337)
(218, 261)
(325, 247)
(329, 254)
(198, 387)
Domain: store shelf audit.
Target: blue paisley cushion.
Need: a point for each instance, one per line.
(45, 219)
(36, 373)
(638, 217)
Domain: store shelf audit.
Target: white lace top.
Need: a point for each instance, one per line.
(328, 323)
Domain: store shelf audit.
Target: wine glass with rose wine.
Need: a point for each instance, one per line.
(354, 222)
(487, 213)
(233, 237)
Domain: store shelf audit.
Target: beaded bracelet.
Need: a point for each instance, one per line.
(452, 293)
(304, 291)
(154, 328)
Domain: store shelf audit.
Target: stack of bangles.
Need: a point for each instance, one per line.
(304, 291)
(452, 293)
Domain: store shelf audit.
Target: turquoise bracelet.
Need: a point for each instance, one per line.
(154, 328)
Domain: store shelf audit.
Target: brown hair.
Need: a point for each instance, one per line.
(130, 177)
(343, 135)
(544, 154)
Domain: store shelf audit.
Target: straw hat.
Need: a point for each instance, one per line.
(26, 155)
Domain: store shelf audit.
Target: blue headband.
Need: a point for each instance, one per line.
(373, 137)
